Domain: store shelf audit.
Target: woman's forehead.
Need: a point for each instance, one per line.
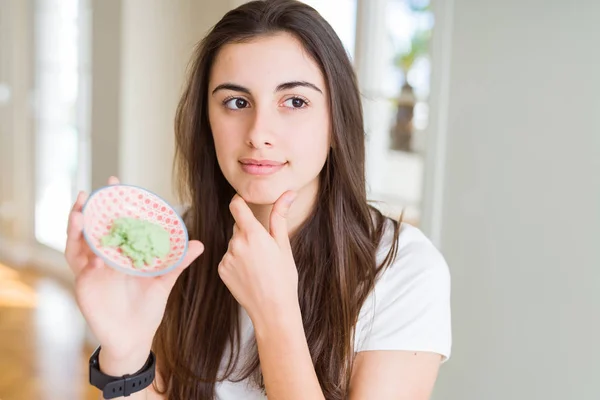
(265, 61)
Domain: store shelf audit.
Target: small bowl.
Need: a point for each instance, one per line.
(110, 202)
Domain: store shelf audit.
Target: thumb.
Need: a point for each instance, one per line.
(195, 248)
(278, 222)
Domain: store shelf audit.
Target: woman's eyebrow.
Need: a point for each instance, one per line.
(233, 87)
(294, 84)
(283, 86)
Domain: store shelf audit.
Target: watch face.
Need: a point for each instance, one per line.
(134, 231)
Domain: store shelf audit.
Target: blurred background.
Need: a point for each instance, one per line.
(483, 125)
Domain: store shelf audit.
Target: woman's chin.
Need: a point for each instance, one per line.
(260, 198)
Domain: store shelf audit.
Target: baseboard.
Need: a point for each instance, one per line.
(47, 260)
(52, 262)
(16, 254)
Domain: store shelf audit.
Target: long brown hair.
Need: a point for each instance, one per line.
(335, 248)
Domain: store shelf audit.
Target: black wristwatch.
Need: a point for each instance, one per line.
(113, 386)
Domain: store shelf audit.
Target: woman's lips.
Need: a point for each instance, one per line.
(261, 167)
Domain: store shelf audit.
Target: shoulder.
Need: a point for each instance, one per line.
(416, 257)
(409, 307)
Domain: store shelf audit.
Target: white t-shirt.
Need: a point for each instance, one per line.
(409, 308)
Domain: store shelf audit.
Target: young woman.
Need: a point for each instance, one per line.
(293, 287)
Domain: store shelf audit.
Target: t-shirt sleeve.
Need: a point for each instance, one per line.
(409, 308)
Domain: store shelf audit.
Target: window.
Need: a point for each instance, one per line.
(61, 136)
(409, 23)
(395, 77)
(341, 15)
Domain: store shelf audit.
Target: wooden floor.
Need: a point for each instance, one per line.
(42, 351)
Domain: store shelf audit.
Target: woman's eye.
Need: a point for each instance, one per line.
(236, 104)
(295, 102)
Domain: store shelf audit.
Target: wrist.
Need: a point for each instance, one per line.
(278, 320)
(122, 364)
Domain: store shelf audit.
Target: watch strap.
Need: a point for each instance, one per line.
(113, 387)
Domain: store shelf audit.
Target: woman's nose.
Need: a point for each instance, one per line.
(261, 133)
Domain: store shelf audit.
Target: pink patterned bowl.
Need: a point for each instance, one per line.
(115, 201)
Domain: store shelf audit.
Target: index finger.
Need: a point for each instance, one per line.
(242, 214)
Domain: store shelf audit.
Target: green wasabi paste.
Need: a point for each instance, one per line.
(140, 240)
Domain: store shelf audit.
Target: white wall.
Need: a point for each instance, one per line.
(106, 89)
(16, 145)
(158, 40)
(519, 118)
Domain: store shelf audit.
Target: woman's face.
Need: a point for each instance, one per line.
(269, 114)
